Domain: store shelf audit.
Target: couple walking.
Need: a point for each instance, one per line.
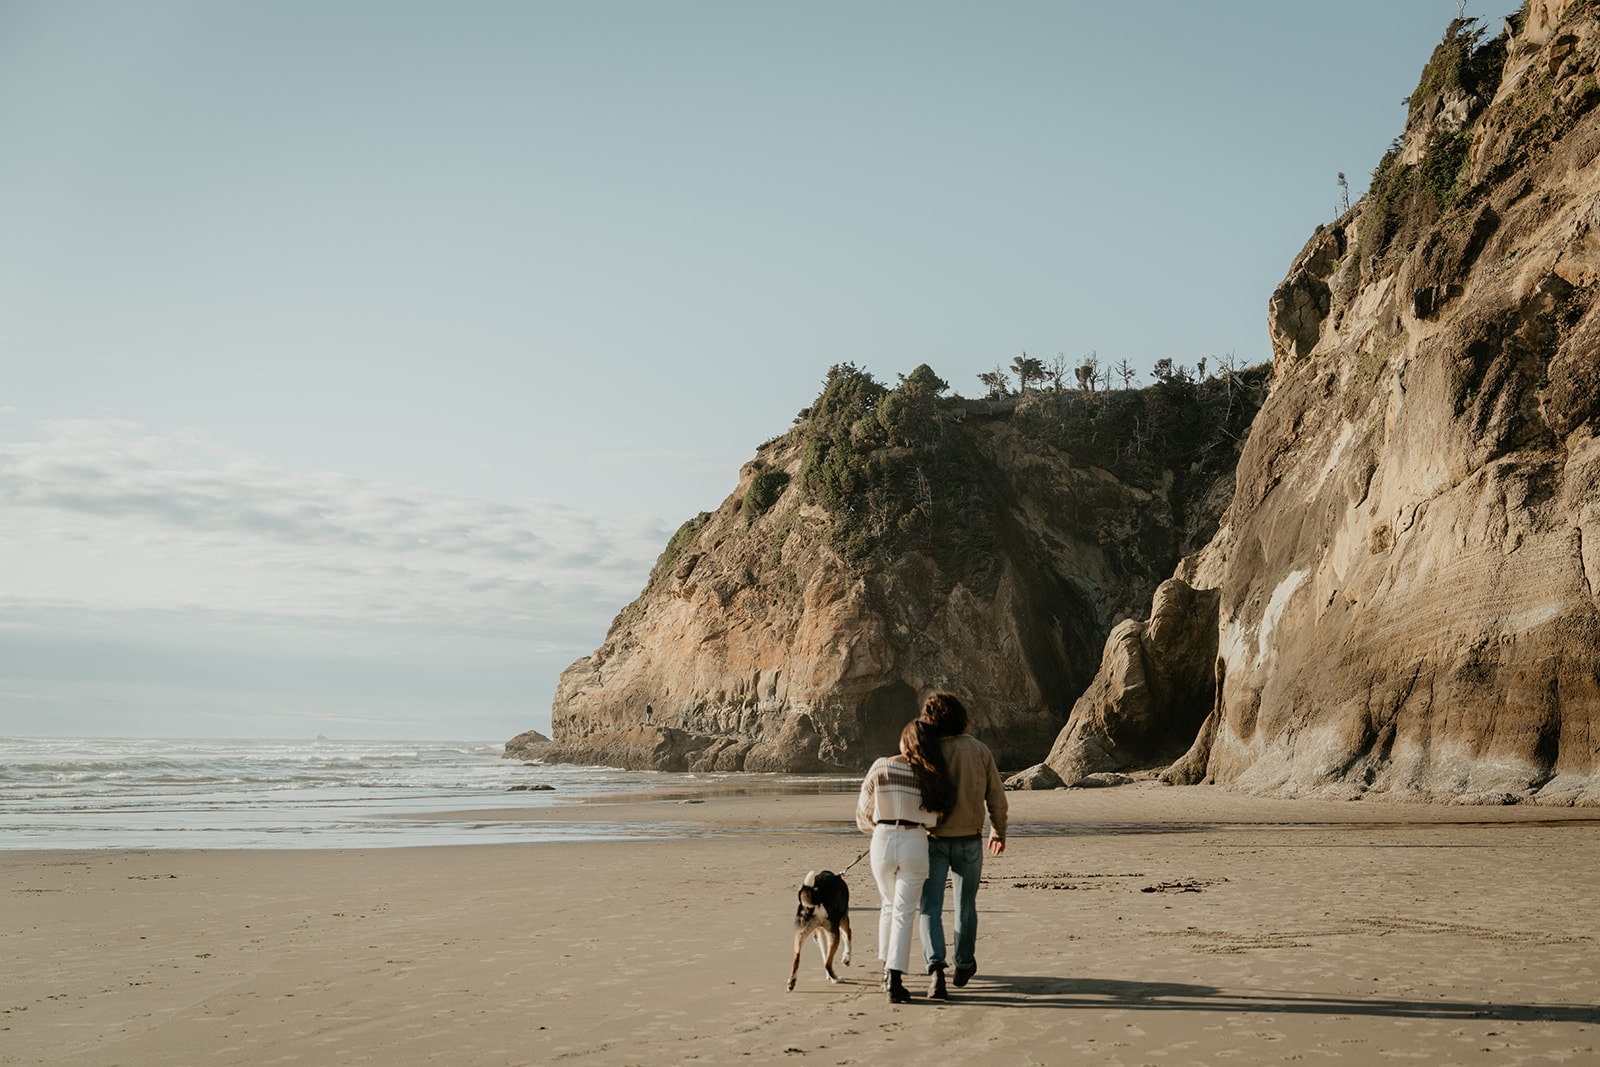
(925, 811)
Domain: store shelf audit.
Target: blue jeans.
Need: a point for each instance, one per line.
(962, 859)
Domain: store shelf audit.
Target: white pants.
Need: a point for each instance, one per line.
(900, 866)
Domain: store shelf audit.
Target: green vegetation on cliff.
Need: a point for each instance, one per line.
(1434, 171)
(897, 474)
(1407, 198)
(765, 488)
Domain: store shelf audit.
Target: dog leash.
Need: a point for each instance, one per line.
(859, 858)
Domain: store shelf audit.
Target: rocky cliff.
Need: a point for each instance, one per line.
(896, 542)
(1404, 597)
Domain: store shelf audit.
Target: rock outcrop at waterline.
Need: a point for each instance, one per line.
(895, 543)
(1407, 584)
(1155, 687)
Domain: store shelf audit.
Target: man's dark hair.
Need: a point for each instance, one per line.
(946, 714)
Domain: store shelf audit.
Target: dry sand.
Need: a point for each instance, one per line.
(1137, 925)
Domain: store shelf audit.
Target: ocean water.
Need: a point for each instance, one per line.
(129, 793)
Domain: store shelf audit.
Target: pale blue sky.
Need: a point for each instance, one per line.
(359, 357)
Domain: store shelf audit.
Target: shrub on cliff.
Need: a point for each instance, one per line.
(909, 415)
(1406, 199)
(879, 461)
(896, 474)
(834, 455)
(1140, 434)
(681, 540)
(765, 488)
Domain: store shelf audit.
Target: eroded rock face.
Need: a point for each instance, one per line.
(1154, 688)
(1408, 580)
(762, 646)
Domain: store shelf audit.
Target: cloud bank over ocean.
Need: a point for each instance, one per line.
(187, 553)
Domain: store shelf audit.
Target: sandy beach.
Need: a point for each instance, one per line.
(1138, 925)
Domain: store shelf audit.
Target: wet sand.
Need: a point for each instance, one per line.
(1138, 925)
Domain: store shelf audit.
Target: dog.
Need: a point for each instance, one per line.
(824, 911)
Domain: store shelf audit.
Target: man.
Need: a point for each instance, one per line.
(955, 846)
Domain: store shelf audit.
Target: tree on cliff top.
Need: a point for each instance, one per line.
(843, 419)
(1027, 369)
(924, 377)
(996, 382)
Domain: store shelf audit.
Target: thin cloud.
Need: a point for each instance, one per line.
(106, 516)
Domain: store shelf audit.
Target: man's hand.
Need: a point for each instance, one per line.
(996, 846)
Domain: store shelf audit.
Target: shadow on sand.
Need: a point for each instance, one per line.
(1026, 991)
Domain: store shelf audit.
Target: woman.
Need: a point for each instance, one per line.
(901, 798)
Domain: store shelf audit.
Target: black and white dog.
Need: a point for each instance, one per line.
(824, 911)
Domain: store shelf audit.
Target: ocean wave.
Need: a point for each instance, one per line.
(128, 793)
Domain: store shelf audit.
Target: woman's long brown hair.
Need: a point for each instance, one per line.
(920, 744)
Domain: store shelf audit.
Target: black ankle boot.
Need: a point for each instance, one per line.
(898, 993)
(936, 989)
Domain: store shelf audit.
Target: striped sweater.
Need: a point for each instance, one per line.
(890, 792)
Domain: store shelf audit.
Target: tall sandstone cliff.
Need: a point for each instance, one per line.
(894, 543)
(1404, 597)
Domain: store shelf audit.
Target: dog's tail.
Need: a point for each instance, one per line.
(811, 879)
